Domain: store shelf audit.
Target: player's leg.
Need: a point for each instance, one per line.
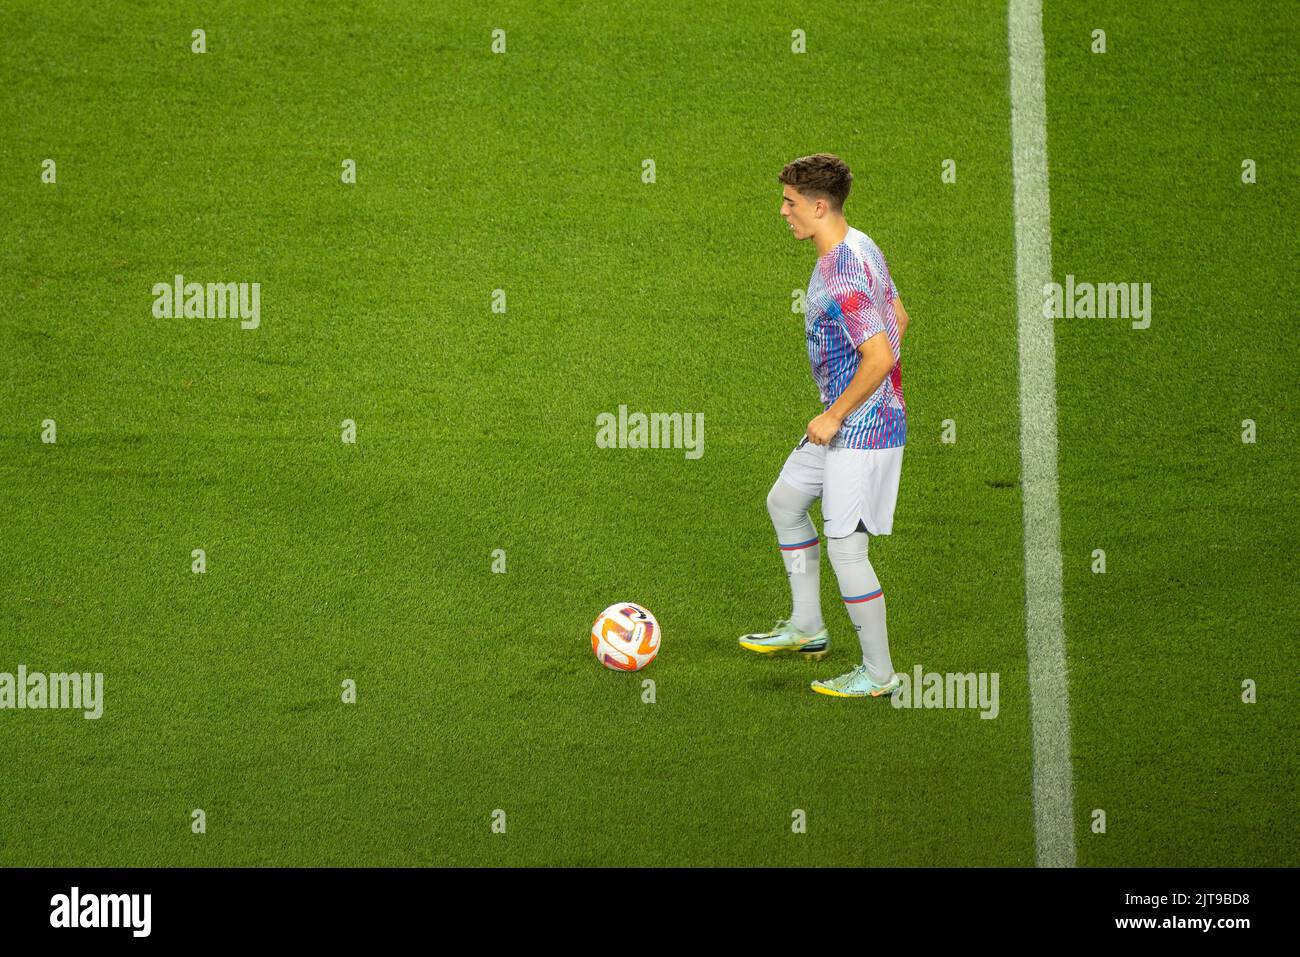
(860, 493)
(864, 600)
(796, 536)
(788, 501)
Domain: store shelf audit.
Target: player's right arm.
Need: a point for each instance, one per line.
(901, 315)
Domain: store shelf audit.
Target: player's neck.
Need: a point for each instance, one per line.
(831, 237)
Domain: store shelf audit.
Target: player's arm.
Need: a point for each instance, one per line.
(901, 315)
(877, 358)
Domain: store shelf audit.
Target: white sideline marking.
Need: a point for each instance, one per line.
(1049, 708)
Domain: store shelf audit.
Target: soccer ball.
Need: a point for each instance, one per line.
(625, 637)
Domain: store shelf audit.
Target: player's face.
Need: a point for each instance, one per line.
(797, 211)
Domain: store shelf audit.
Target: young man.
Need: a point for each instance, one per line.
(852, 453)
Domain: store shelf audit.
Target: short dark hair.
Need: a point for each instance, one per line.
(822, 175)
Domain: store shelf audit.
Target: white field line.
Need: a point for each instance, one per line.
(1053, 777)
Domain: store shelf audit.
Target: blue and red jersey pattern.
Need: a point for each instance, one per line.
(850, 299)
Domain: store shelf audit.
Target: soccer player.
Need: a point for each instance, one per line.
(852, 453)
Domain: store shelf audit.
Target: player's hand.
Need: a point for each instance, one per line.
(823, 428)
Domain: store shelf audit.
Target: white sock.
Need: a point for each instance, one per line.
(865, 602)
(801, 553)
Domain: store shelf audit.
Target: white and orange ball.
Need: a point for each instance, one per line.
(625, 637)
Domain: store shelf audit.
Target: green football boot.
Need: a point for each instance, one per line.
(786, 639)
(857, 684)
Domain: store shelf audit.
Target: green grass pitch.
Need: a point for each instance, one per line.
(522, 171)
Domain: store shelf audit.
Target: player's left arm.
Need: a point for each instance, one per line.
(900, 316)
(876, 359)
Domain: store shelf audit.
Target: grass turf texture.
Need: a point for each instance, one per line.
(476, 431)
(1146, 145)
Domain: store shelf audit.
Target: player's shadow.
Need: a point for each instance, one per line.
(784, 679)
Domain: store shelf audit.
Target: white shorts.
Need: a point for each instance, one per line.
(854, 485)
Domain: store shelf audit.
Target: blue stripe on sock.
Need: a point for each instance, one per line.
(787, 548)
